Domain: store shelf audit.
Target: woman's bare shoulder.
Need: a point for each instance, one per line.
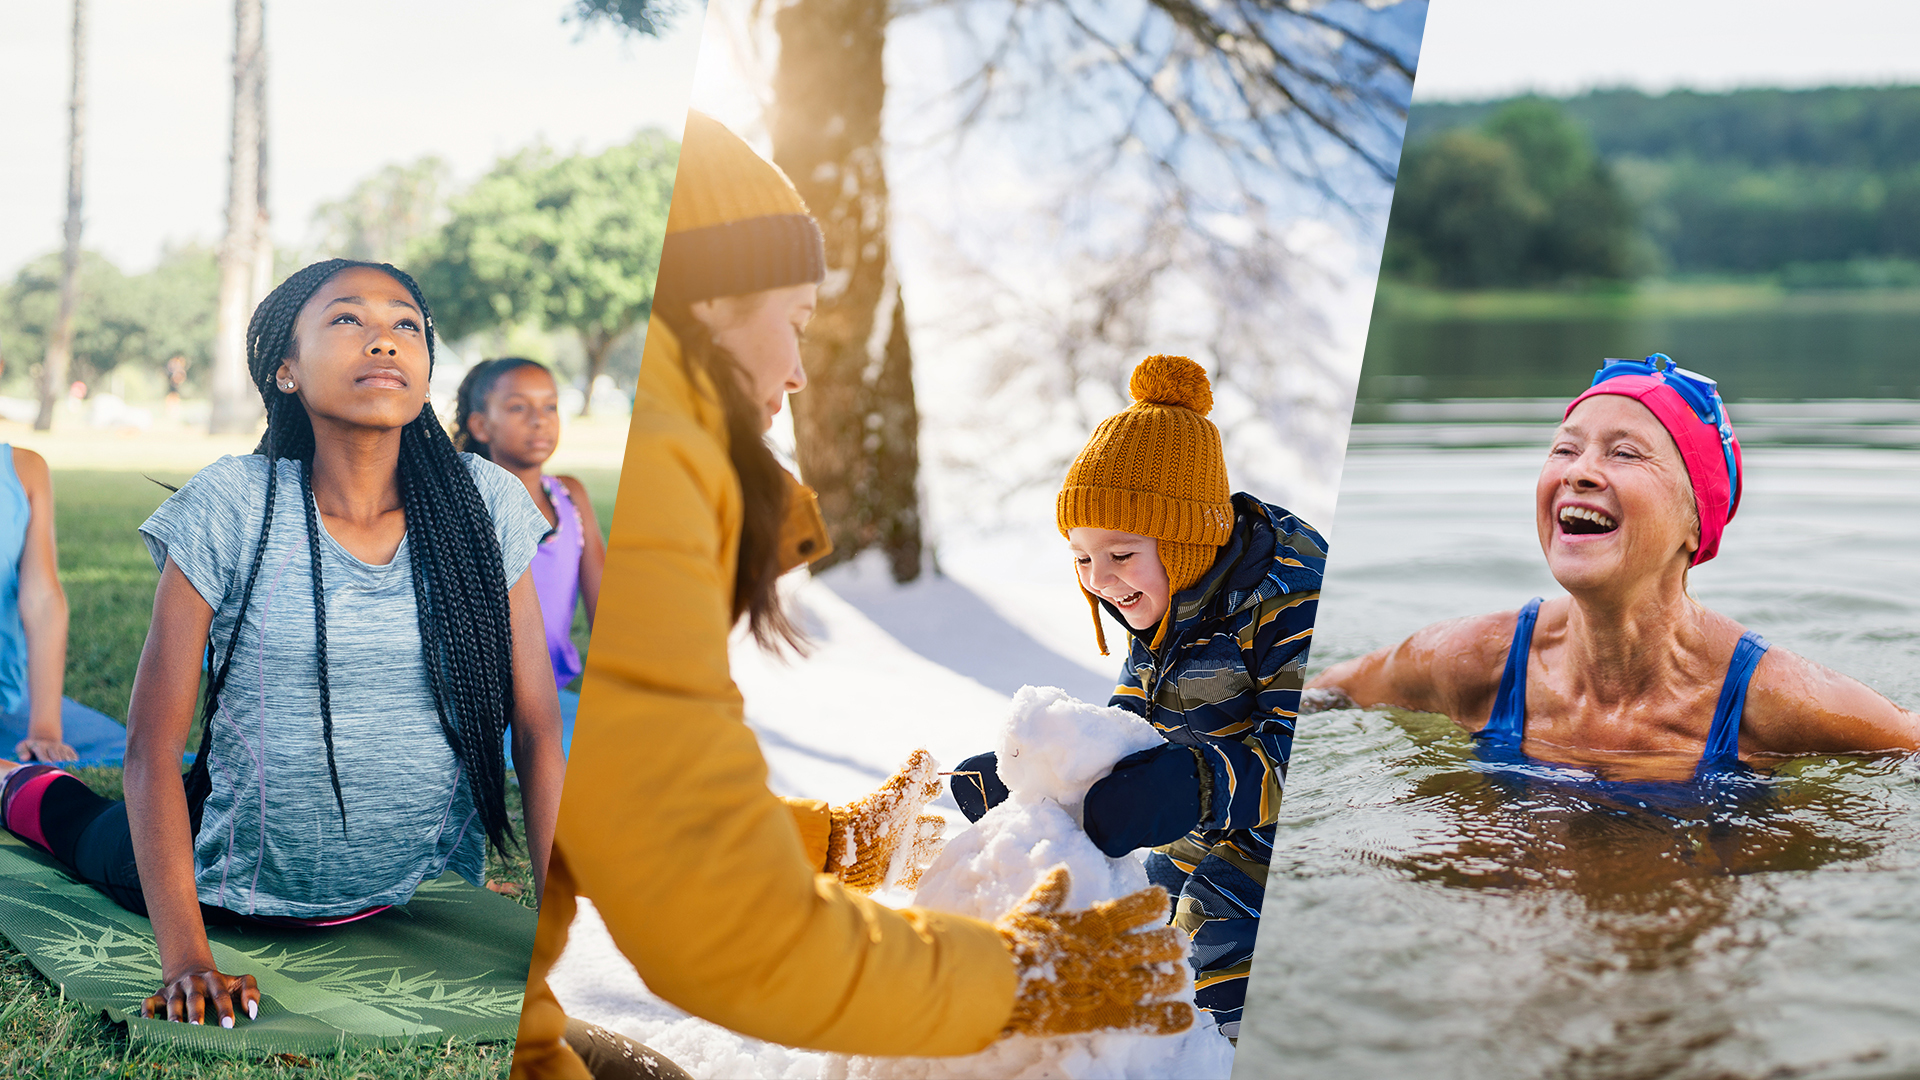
(32, 470)
(1474, 640)
(1797, 706)
(1465, 655)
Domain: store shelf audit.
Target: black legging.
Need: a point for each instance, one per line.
(89, 835)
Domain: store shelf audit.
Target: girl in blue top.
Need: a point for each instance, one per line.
(33, 625)
(362, 591)
(33, 608)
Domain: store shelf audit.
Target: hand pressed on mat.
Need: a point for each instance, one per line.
(188, 995)
(33, 748)
(865, 834)
(1094, 970)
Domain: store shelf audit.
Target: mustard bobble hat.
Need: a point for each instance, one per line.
(736, 225)
(1156, 469)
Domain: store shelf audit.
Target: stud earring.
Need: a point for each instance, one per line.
(287, 385)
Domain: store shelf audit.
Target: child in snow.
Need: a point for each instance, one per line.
(366, 588)
(1218, 593)
(509, 413)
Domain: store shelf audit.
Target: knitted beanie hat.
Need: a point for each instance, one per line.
(736, 225)
(1156, 469)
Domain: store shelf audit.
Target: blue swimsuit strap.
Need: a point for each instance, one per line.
(1723, 738)
(1508, 724)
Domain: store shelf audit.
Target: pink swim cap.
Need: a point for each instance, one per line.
(1708, 447)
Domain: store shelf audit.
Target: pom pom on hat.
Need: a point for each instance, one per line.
(1156, 467)
(1172, 380)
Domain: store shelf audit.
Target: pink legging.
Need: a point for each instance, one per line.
(89, 835)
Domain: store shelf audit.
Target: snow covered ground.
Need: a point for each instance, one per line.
(893, 668)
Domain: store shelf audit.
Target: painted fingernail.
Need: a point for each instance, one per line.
(193, 1021)
(253, 1010)
(226, 1021)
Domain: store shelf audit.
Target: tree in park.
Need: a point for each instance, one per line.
(386, 216)
(560, 242)
(120, 321)
(246, 253)
(59, 343)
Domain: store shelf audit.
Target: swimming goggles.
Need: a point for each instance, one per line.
(1701, 394)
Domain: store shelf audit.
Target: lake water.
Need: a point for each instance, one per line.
(1422, 923)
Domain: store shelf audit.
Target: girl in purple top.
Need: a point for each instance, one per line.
(509, 413)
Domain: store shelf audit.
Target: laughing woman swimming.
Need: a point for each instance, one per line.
(1627, 675)
(362, 593)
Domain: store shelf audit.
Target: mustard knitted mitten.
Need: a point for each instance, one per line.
(867, 834)
(1095, 969)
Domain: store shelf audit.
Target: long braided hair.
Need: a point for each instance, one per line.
(459, 586)
(472, 398)
(763, 482)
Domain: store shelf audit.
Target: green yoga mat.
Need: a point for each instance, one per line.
(452, 964)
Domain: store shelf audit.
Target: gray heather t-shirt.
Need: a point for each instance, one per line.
(270, 840)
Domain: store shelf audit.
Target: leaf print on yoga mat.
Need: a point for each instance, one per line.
(451, 964)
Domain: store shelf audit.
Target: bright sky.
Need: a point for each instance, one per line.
(472, 79)
(350, 88)
(1493, 48)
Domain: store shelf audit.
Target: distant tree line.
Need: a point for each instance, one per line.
(544, 241)
(132, 321)
(1832, 127)
(1818, 187)
(1521, 199)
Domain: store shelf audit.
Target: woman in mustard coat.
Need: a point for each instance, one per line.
(731, 903)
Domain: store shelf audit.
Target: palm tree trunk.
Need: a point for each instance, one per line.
(234, 399)
(262, 219)
(53, 371)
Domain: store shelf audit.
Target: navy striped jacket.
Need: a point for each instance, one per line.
(1227, 679)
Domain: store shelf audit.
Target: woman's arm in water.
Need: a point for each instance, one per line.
(593, 547)
(1450, 667)
(1795, 706)
(43, 615)
(158, 719)
(537, 758)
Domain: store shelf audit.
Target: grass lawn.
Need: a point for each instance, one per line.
(110, 580)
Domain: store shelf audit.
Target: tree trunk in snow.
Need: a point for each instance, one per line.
(235, 400)
(855, 425)
(53, 371)
(896, 461)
